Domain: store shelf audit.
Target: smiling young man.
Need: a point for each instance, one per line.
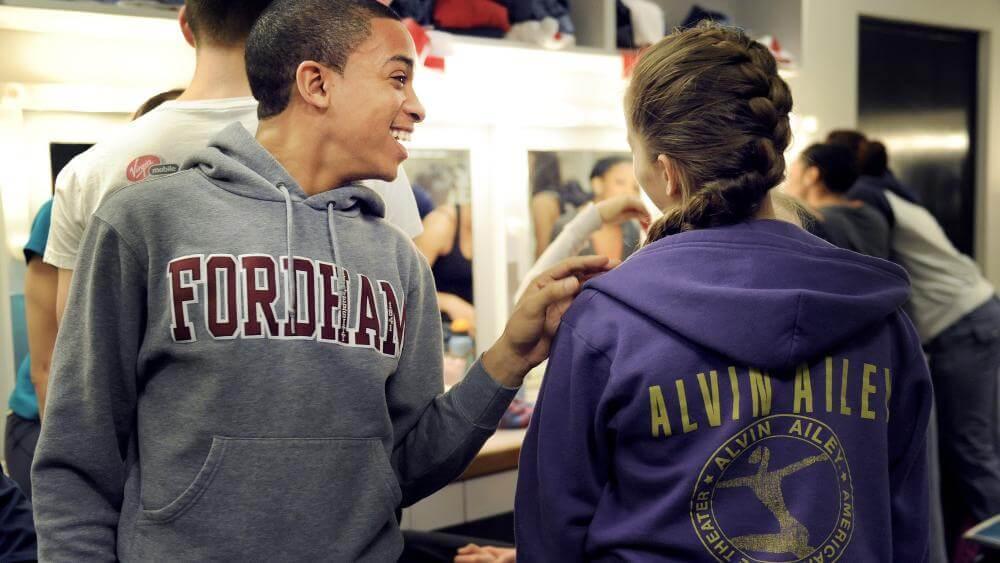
(250, 362)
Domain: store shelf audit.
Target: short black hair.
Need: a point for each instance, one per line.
(854, 140)
(874, 159)
(836, 164)
(223, 22)
(602, 166)
(292, 31)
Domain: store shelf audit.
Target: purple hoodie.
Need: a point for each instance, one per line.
(746, 393)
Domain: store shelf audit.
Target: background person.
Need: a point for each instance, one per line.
(27, 401)
(821, 177)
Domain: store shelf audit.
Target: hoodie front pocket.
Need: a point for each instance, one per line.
(280, 498)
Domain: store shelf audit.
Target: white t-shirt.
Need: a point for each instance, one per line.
(158, 143)
(946, 284)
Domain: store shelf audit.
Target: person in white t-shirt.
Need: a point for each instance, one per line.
(158, 142)
(956, 312)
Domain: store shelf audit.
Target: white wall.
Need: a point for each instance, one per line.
(828, 83)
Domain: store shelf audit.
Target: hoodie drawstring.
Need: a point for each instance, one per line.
(290, 272)
(342, 283)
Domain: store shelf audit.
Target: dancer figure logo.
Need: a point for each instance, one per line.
(788, 455)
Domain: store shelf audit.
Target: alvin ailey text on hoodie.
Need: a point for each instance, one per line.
(835, 386)
(239, 294)
(774, 450)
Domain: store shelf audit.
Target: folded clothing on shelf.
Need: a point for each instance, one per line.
(647, 22)
(537, 10)
(544, 33)
(470, 14)
(485, 32)
(422, 11)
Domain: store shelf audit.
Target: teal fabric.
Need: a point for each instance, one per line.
(19, 328)
(23, 401)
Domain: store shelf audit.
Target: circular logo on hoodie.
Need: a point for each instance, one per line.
(779, 490)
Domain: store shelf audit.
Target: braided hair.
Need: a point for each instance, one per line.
(710, 99)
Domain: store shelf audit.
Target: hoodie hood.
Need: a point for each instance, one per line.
(237, 163)
(764, 293)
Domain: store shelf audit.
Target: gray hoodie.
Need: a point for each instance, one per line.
(194, 415)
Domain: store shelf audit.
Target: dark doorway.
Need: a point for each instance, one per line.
(61, 153)
(917, 90)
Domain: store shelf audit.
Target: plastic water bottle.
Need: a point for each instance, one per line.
(460, 353)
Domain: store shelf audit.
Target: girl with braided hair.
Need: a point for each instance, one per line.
(738, 389)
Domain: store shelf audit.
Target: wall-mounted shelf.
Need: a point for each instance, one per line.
(595, 20)
(597, 26)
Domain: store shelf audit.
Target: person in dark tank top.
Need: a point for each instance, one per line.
(447, 244)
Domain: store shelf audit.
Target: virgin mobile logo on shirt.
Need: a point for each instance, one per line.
(138, 169)
(148, 165)
(238, 297)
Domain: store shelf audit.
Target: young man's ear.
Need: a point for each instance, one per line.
(314, 84)
(186, 31)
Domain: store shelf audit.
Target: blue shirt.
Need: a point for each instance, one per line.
(23, 401)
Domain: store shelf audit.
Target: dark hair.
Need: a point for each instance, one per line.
(835, 163)
(223, 22)
(711, 100)
(854, 140)
(154, 102)
(601, 167)
(546, 177)
(545, 174)
(874, 159)
(292, 31)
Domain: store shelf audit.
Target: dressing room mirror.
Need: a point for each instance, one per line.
(441, 186)
(564, 183)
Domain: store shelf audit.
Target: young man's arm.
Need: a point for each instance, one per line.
(437, 435)
(39, 288)
(564, 459)
(79, 469)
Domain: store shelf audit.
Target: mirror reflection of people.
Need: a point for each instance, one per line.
(578, 232)
(550, 197)
(611, 177)
(447, 244)
(821, 178)
(728, 328)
